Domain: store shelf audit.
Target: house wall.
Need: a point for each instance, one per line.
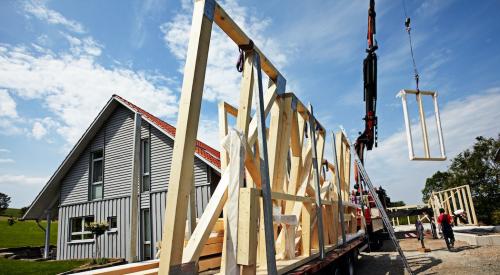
(116, 139)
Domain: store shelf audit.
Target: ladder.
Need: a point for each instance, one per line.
(385, 219)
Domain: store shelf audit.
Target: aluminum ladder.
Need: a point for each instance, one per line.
(385, 219)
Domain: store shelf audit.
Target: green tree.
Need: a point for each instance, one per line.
(4, 202)
(478, 168)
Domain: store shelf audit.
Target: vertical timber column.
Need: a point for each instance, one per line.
(319, 206)
(466, 208)
(228, 262)
(453, 201)
(460, 201)
(180, 182)
(134, 190)
(472, 210)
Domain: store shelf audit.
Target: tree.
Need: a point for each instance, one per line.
(4, 202)
(479, 168)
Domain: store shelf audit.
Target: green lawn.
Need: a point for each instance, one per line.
(25, 233)
(27, 267)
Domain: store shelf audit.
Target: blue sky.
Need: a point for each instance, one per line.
(60, 61)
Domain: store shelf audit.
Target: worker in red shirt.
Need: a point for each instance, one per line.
(445, 221)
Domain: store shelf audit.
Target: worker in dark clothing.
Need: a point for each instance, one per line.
(445, 221)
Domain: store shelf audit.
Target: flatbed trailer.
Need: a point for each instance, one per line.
(340, 259)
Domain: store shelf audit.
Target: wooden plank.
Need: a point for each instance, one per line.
(466, 203)
(248, 228)
(208, 263)
(211, 249)
(245, 103)
(452, 194)
(135, 183)
(234, 32)
(180, 182)
(223, 129)
(306, 230)
(269, 98)
(471, 202)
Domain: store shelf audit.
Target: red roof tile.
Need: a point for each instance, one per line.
(203, 150)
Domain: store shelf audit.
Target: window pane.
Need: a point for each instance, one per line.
(145, 156)
(147, 252)
(146, 182)
(147, 225)
(88, 236)
(97, 154)
(76, 225)
(97, 171)
(96, 191)
(112, 222)
(76, 237)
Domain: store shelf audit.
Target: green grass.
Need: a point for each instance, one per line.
(25, 267)
(14, 212)
(25, 233)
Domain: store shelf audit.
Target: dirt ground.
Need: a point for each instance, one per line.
(463, 259)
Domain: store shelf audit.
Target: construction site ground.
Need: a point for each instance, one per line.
(463, 259)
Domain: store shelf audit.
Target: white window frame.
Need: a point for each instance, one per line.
(92, 184)
(143, 166)
(423, 125)
(80, 233)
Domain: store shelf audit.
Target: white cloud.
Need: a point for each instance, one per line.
(7, 160)
(39, 10)
(7, 105)
(38, 131)
(22, 180)
(2, 150)
(208, 132)
(222, 81)
(74, 87)
(462, 120)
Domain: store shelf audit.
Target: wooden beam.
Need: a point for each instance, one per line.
(467, 208)
(135, 183)
(248, 228)
(240, 38)
(223, 130)
(472, 209)
(180, 183)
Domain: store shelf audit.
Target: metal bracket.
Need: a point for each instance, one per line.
(425, 136)
(280, 84)
(295, 101)
(209, 9)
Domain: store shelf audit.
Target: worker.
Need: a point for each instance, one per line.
(445, 221)
(459, 215)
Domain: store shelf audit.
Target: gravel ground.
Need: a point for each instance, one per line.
(463, 259)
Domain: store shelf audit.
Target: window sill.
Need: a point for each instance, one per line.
(81, 241)
(115, 230)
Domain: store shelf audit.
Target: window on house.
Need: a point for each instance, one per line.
(146, 234)
(78, 228)
(96, 175)
(112, 223)
(145, 164)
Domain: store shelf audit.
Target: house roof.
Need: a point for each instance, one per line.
(49, 195)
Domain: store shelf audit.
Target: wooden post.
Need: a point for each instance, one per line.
(452, 193)
(47, 235)
(467, 208)
(248, 230)
(306, 230)
(472, 209)
(460, 201)
(319, 207)
(134, 197)
(180, 182)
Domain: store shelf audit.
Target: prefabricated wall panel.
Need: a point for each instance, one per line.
(116, 139)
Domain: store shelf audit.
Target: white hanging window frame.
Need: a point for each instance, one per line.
(418, 94)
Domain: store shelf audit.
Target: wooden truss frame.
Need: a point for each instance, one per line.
(304, 205)
(453, 199)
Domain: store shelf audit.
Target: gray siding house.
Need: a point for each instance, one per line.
(95, 181)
